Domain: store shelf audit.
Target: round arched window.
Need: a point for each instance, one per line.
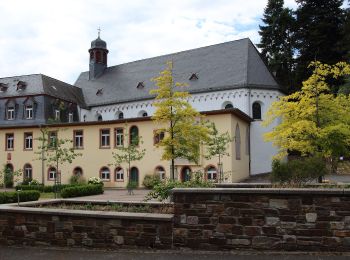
(256, 110)
(160, 172)
(105, 174)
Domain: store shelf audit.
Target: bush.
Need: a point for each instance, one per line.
(150, 181)
(46, 189)
(82, 190)
(94, 180)
(297, 172)
(11, 197)
(162, 190)
(77, 179)
(8, 178)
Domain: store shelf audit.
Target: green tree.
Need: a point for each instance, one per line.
(129, 153)
(184, 128)
(217, 146)
(55, 151)
(277, 45)
(319, 35)
(8, 176)
(313, 121)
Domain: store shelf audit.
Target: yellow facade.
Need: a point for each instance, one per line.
(94, 157)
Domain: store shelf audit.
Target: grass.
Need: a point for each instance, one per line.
(47, 195)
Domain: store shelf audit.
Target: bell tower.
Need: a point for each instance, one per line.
(98, 57)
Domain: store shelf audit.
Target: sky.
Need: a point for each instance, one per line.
(53, 37)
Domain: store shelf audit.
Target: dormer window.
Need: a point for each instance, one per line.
(57, 114)
(194, 76)
(141, 85)
(99, 92)
(21, 85)
(3, 87)
(10, 113)
(29, 112)
(70, 117)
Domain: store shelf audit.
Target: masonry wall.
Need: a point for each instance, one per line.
(262, 219)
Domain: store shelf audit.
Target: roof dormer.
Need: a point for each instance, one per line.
(3, 87)
(141, 85)
(194, 76)
(21, 85)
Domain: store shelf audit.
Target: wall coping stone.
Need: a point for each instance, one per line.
(284, 191)
(80, 213)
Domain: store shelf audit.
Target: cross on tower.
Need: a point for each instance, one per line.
(99, 31)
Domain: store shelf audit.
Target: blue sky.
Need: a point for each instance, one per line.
(53, 37)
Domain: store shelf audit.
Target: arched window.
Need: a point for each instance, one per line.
(119, 115)
(186, 174)
(52, 174)
(119, 174)
(142, 113)
(160, 172)
(256, 110)
(78, 171)
(99, 118)
(134, 135)
(212, 173)
(105, 174)
(238, 142)
(27, 172)
(227, 105)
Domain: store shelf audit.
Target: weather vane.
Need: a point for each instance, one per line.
(99, 31)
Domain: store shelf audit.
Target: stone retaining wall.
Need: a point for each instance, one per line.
(53, 227)
(262, 219)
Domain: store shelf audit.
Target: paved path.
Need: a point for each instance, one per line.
(35, 253)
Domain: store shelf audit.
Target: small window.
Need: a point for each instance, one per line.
(29, 112)
(99, 118)
(3, 87)
(140, 85)
(52, 174)
(10, 113)
(105, 174)
(144, 114)
(27, 172)
(105, 138)
(99, 92)
(28, 141)
(78, 171)
(57, 114)
(194, 76)
(119, 174)
(70, 117)
(228, 106)
(134, 135)
(78, 139)
(256, 111)
(52, 139)
(121, 115)
(211, 173)
(21, 85)
(10, 141)
(119, 137)
(160, 172)
(158, 136)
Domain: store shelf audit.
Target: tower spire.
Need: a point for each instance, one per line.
(98, 31)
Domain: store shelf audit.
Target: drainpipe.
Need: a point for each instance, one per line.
(249, 146)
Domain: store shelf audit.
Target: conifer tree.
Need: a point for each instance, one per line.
(277, 42)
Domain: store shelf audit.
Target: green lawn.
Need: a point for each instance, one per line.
(47, 195)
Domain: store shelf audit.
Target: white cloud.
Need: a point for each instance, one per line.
(53, 38)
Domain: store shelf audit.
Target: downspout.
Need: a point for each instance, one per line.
(249, 150)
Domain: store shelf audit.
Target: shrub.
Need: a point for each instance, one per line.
(150, 181)
(297, 172)
(8, 178)
(131, 185)
(81, 190)
(162, 190)
(94, 180)
(77, 179)
(11, 197)
(42, 188)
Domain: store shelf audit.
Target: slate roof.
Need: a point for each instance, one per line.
(38, 84)
(229, 65)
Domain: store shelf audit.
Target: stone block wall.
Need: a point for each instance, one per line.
(262, 219)
(124, 230)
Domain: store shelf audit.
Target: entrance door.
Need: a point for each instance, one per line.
(186, 174)
(134, 175)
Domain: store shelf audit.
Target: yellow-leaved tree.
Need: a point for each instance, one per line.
(183, 126)
(313, 121)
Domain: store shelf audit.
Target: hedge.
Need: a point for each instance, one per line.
(43, 188)
(11, 197)
(82, 190)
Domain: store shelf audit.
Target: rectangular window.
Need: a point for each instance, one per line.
(29, 112)
(104, 138)
(78, 139)
(158, 136)
(52, 174)
(10, 141)
(10, 113)
(57, 114)
(119, 137)
(119, 174)
(28, 141)
(70, 117)
(52, 138)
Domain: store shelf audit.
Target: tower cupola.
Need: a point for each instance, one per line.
(98, 57)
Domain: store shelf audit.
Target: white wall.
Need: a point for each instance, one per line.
(261, 152)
